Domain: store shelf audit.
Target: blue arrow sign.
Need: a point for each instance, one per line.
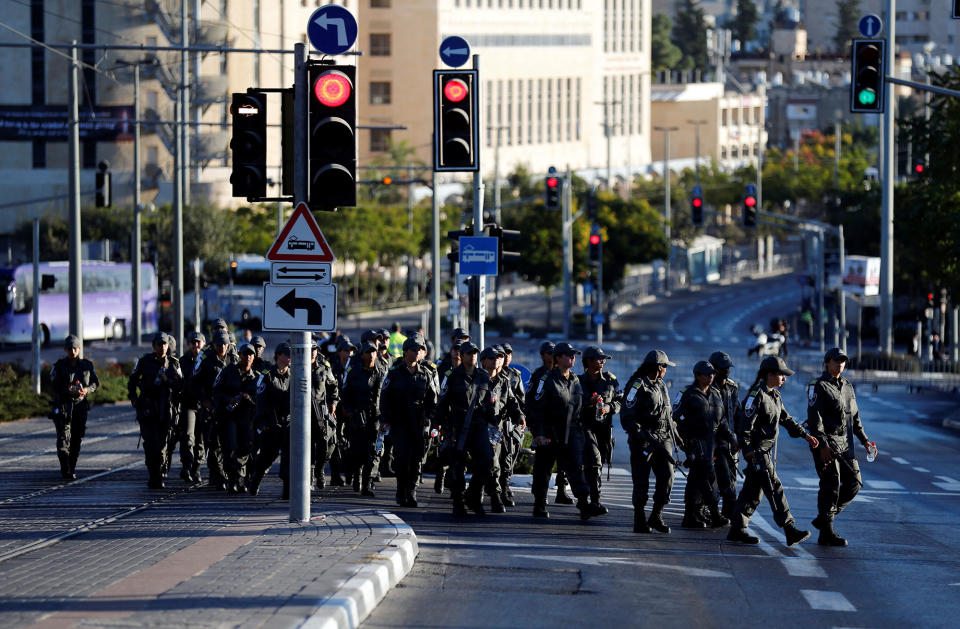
(478, 255)
(598, 318)
(454, 51)
(752, 189)
(870, 25)
(332, 29)
(697, 191)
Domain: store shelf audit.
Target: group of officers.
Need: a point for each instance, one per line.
(374, 413)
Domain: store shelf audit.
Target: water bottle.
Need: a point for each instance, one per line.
(434, 433)
(872, 451)
(379, 445)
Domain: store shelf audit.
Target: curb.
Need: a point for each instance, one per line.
(361, 592)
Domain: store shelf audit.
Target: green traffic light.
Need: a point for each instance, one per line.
(867, 97)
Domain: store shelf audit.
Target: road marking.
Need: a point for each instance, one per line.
(698, 339)
(808, 481)
(828, 601)
(922, 469)
(86, 442)
(680, 338)
(661, 337)
(603, 561)
(734, 339)
(947, 479)
(802, 564)
(948, 484)
(644, 337)
(717, 339)
(884, 484)
(901, 460)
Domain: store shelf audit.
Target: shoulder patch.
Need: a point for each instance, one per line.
(540, 387)
(632, 395)
(812, 393)
(261, 385)
(750, 406)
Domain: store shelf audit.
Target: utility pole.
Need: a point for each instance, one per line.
(435, 263)
(697, 124)
(35, 345)
(667, 215)
(608, 134)
(478, 227)
(76, 292)
(887, 173)
(840, 293)
(497, 216)
(836, 152)
(182, 192)
(137, 299)
(566, 220)
(412, 292)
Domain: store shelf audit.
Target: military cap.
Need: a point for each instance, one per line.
(547, 347)
(284, 348)
(459, 333)
(413, 342)
(71, 341)
(565, 349)
(221, 337)
(219, 324)
(775, 364)
(247, 347)
(658, 357)
(196, 336)
(721, 360)
(160, 339)
(506, 348)
(703, 368)
(369, 335)
(367, 346)
(595, 352)
(258, 341)
(456, 344)
(835, 353)
(490, 351)
(384, 333)
(344, 343)
(468, 347)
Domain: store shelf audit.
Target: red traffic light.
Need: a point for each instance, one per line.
(552, 182)
(918, 168)
(697, 202)
(455, 90)
(929, 296)
(387, 180)
(332, 88)
(750, 201)
(594, 239)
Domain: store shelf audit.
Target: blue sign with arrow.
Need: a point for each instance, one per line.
(752, 189)
(870, 25)
(332, 29)
(454, 51)
(478, 255)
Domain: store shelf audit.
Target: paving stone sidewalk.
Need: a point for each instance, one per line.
(206, 559)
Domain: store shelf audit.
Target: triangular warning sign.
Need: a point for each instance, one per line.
(301, 240)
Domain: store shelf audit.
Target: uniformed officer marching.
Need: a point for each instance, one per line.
(647, 418)
(512, 443)
(190, 429)
(556, 423)
(211, 363)
(234, 396)
(272, 422)
(763, 414)
(73, 380)
(504, 411)
(540, 373)
(407, 402)
(360, 412)
(699, 415)
(153, 387)
(726, 448)
(323, 406)
(833, 417)
(601, 401)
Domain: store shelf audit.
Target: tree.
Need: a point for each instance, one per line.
(848, 15)
(690, 35)
(744, 24)
(664, 55)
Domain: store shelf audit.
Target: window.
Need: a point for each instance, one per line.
(379, 4)
(380, 92)
(379, 44)
(379, 140)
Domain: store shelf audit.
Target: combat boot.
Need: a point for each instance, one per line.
(584, 508)
(474, 502)
(253, 486)
(793, 534)
(640, 522)
(356, 481)
(656, 520)
(438, 482)
(496, 503)
(507, 499)
(65, 467)
(828, 536)
(562, 497)
(717, 519)
(366, 486)
(596, 507)
(692, 519)
(459, 510)
(540, 509)
(738, 534)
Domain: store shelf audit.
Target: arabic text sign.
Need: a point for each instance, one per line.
(478, 255)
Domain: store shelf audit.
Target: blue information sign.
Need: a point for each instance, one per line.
(870, 25)
(478, 255)
(454, 51)
(588, 309)
(752, 189)
(332, 29)
(598, 318)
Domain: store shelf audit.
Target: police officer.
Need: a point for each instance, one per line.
(457, 396)
(360, 413)
(153, 387)
(206, 371)
(272, 422)
(726, 447)
(540, 373)
(555, 419)
(408, 401)
(504, 412)
(763, 413)
(450, 360)
(512, 443)
(190, 429)
(396, 340)
(260, 364)
(601, 401)
(699, 415)
(323, 432)
(833, 417)
(342, 358)
(648, 420)
(73, 379)
(234, 395)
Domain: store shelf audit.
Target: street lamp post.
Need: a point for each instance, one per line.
(667, 218)
(696, 124)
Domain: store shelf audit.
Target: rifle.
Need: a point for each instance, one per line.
(660, 447)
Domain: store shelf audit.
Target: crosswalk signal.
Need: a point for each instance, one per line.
(553, 187)
(456, 128)
(866, 79)
(332, 137)
(248, 142)
(750, 206)
(696, 206)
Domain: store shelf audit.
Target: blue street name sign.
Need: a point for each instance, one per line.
(478, 255)
(332, 29)
(870, 25)
(454, 51)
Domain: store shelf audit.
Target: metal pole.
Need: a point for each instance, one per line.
(836, 153)
(821, 266)
(411, 291)
(886, 220)
(609, 135)
(842, 294)
(197, 110)
(185, 107)
(696, 124)
(76, 291)
(600, 294)
(567, 238)
(859, 328)
(667, 215)
(300, 361)
(435, 263)
(478, 228)
(135, 261)
(196, 295)
(954, 335)
(761, 146)
(497, 218)
(181, 191)
(36, 306)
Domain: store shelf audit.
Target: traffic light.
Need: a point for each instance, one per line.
(456, 111)
(866, 78)
(956, 10)
(332, 137)
(919, 166)
(596, 242)
(554, 188)
(454, 236)
(501, 235)
(750, 206)
(696, 206)
(233, 269)
(104, 185)
(249, 144)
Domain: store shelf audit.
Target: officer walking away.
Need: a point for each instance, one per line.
(601, 401)
(558, 432)
(235, 398)
(763, 413)
(153, 387)
(190, 429)
(396, 340)
(73, 379)
(699, 415)
(833, 418)
(725, 450)
(360, 413)
(647, 418)
(272, 422)
(408, 401)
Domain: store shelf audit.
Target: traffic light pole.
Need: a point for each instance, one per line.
(889, 165)
(599, 309)
(477, 334)
(302, 341)
(435, 264)
(567, 238)
(76, 294)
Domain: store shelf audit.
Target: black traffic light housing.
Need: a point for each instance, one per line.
(696, 206)
(332, 136)
(866, 78)
(596, 242)
(501, 234)
(553, 189)
(454, 236)
(750, 206)
(956, 10)
(104, 185)
(456, 128)
(249, 144)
